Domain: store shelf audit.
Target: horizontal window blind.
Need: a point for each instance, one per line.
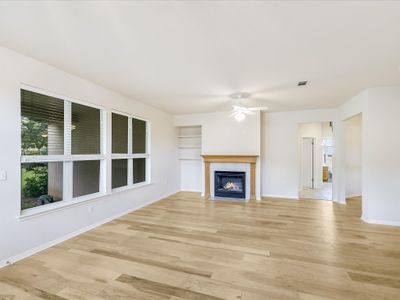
(119, 133)
(138, 136)
(85, 129)
(42, 124)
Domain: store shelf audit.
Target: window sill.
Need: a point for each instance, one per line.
(131, 187)
(50, 208)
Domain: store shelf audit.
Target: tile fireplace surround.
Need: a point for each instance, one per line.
(240, 159)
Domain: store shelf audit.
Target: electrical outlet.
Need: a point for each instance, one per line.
(3, 175)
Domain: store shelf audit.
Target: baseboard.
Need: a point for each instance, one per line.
(281, 197)
(353, 195)
(340, 202)
(15, 258)
(380, 222)
(189, 190)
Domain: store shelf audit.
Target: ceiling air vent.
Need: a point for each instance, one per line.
(302, 83)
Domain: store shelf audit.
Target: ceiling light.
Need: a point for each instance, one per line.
(240, 95)
(239, 116)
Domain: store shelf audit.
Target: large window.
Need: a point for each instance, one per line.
(130, 155)
(61, 148)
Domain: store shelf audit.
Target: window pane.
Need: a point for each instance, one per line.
(86, 177)
(85, 129)
(138, 136)
(42, 124)
(139, 170)
(41, 183)
(119, 133)
(119, 173)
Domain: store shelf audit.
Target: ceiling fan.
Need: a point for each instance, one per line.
(239, 111)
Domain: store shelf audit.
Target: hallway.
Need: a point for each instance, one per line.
(324, 193)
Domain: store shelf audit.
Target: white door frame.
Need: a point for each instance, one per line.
(312, 185)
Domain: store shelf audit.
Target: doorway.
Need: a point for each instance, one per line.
(315, 160)
(353, 159)
(308, 162)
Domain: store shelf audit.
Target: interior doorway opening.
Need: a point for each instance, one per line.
(353, 159)
(315, 160)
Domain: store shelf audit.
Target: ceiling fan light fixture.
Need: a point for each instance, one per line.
(239, 116)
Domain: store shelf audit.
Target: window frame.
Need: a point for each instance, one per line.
(130, 155)
(67, 159)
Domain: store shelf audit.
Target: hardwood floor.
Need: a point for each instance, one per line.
(184, 247)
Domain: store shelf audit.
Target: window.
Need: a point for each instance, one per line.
(42, 183)
(119, 134)
(61, 149)
(119, 173)
(130, 155)
(138, 136)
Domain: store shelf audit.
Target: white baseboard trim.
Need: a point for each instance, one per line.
(380, 222)
(340, 202)
(281, 197)
(353, 195)
(189, 190)
(30, 252)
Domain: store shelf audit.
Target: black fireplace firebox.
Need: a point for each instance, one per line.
(230, 184)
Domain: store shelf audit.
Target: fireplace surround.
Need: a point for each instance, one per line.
(230, 184)
(249, 160)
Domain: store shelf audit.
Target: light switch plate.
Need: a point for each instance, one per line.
(3, 175)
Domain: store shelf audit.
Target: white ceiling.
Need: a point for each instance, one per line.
(187, 57)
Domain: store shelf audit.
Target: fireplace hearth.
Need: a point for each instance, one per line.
(230, 184)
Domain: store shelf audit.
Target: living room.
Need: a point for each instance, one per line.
(199, 150)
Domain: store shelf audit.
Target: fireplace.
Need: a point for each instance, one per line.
(230, 184)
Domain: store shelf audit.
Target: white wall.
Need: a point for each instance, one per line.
(381, 156)
(222, 134)
(280, 149)
(380, 108)
(352, 139)
(351, 108)
(19, 238)
(191, 175)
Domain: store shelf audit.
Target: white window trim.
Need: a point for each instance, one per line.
(38, 211)
(67, 159)
(130, 156)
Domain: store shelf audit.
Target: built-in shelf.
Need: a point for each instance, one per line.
(189, 146)
(189, 142)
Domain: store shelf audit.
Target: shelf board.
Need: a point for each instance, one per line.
(189, 136)
(189, 147)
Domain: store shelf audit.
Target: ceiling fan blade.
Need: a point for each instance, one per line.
(232, 113)
(249, 112)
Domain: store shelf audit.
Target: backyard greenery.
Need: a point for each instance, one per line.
(33, 137)
(34, 177)
(35, 180)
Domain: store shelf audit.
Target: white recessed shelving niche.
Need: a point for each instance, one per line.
(189, 146)
(189, 143)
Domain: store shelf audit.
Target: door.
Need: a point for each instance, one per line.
(308, 159)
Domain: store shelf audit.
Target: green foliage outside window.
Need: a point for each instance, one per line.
(34, 137)
(35, 179)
